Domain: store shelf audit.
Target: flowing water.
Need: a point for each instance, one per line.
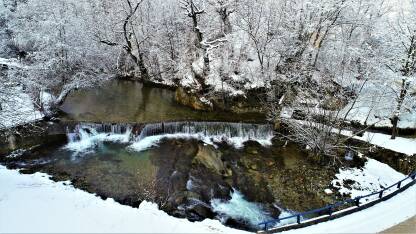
(193, 168)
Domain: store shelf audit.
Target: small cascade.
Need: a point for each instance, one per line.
(208, 129)
(85, 136)
(104, 127)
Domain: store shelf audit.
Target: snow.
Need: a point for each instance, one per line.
(33, 200)
(35, 204)
(205, 101)
(376, 105)
(17, 108)
(328, 191)
(47, 101)
(371, 220)
(400, 144)
(12, 63)
(47, 98)
(373, 177)
(286, 113)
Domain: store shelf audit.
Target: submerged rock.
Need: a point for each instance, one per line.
(199, 208)
(210, 158)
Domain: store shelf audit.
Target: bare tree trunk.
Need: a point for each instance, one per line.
(193, 11)
(196, 29)
(225, 18)
(394, 132)
(206, 62)
(395, 119)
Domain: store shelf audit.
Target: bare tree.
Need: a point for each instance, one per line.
(408, 71)
(132, 41)
(193, 10)
(402, 60)
(224, 8)
(260, 22)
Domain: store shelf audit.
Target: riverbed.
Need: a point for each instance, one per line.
(132, 143)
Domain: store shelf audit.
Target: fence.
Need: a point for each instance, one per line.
(330, 209)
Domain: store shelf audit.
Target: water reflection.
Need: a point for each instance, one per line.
(126, 101)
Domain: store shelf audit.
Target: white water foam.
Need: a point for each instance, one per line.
(237, 142)
(239, 208)
(87, 138)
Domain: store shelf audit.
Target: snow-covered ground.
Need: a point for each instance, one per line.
(11, 63)
(373, 177)
(371, 220)
(376, 105)
(34, 199)
(17, 108)
(400, 144)
(35, 204)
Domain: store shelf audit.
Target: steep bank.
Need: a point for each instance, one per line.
(240, 104)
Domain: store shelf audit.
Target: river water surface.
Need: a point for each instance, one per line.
(127, 101)
(239, 173)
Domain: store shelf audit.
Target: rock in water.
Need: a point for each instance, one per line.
(209, 157)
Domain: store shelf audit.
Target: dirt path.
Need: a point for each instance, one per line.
(408, 226)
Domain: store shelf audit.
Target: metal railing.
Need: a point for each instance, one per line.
(330, 209)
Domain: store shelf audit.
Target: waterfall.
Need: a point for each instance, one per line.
(88, 135)
(207, 129)
(103, 128)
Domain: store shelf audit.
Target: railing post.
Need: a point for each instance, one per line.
(265, 226)
(380, 195)
(413, 176)
(357, 201)
(399, 184)
(330, 210)
(298, 218)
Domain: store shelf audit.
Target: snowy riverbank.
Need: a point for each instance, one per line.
(371, 220)
(17, 108)
(400, 144)
(35, 199)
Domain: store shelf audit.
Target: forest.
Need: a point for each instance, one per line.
(223, 87)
